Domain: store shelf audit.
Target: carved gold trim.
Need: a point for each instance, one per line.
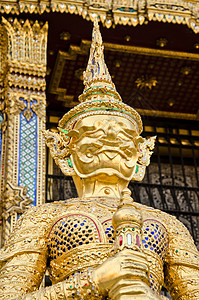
(27, 45)
(18, 201)
(34, 103)
(122, 12)
(152, 52)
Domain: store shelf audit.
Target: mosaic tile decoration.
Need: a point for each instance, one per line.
(155, 237)
(70, 232)
(28, 155)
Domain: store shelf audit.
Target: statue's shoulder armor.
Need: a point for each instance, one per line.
(31, 230)
(171, 223)
(181, 247)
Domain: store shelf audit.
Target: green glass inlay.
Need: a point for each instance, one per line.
(93, 87)
(69, 162)
(94, 93)
(63, 130)
(98, 108)
(106, 101)
(136, 169)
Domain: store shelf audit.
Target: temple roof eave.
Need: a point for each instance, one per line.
(114, 12)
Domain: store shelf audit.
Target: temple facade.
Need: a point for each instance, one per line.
(152, 52)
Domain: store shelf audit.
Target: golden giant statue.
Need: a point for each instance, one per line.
(101, 245)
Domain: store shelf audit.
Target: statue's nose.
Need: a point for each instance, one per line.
(111, 133)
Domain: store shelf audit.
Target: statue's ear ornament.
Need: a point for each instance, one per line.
(145, 147)
(59, 150)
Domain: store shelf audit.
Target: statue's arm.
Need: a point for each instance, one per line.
(24, 256)
(78, 288)
(23, 262)
(21, 274)
(182, 265)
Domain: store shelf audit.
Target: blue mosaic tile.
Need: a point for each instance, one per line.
(28, 155)
(155, 239)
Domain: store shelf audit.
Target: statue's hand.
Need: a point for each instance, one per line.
(133, 289)
(124, 266)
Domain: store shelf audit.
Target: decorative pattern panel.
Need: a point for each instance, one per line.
(28, 156)
(24, 106)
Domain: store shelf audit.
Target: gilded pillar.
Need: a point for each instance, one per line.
(23, 118)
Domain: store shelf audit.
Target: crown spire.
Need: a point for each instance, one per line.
(96, 68)
(97, 75)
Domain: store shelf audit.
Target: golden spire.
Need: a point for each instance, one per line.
(96, 77)
(96, 68)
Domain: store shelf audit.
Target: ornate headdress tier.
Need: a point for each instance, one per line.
(99, 96)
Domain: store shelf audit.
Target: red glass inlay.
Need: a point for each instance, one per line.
(138, 240)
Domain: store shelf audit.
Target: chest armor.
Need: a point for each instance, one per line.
(78, 241)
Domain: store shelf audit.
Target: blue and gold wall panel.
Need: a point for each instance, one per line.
(28, 156)
(22, 146)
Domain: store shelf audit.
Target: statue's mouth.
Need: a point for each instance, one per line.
(112, 153)
(106, 171)
(109, 142)
(125, 151)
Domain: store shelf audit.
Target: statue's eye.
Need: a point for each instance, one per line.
(124, 137)
(90, 147)
(97, 134)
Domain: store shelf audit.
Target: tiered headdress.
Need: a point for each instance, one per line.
(99, 96)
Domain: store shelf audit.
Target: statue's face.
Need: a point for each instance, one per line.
(104, 145)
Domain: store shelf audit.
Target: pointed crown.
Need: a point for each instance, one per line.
(99, 96)
(97, 79)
